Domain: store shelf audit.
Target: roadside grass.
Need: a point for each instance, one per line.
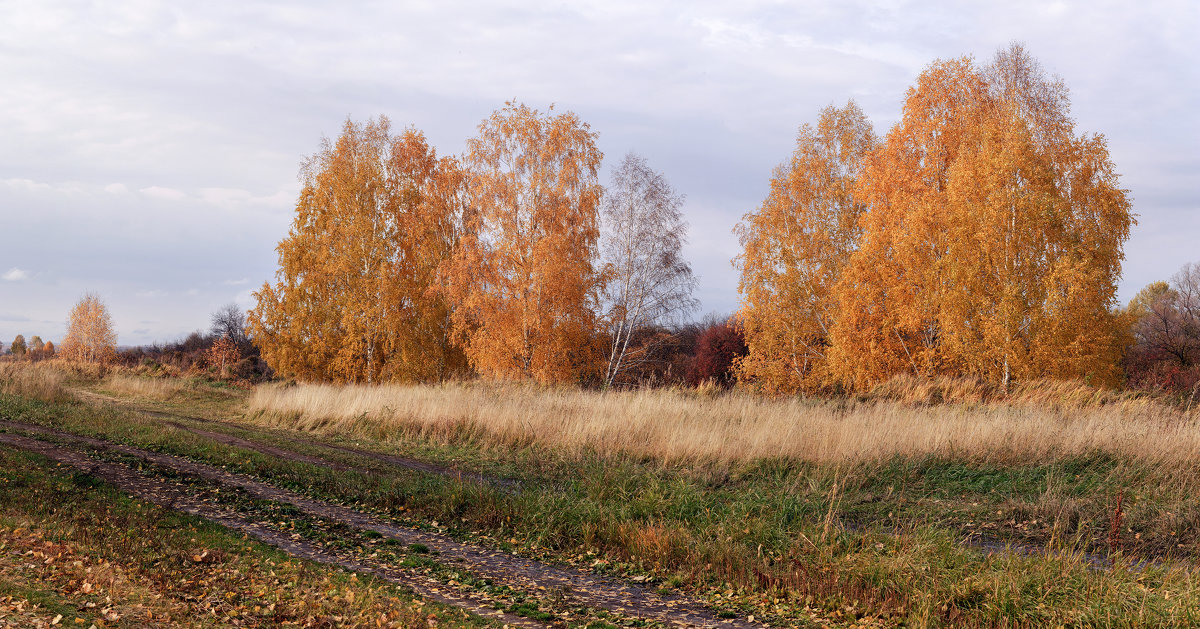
(41, 381)
(789, 540)
(73, 546)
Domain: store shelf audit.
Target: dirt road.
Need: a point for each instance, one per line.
(569, 587)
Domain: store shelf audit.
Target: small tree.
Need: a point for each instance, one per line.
(36, 348)
(223, 353)
(90, 334)
(1165, 320)
(49, 350)
(229, 321)
(18, 347)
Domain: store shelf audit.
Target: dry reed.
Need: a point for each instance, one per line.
(42, 380)
(675, 425)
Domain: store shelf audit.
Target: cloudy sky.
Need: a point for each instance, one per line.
(150, 150)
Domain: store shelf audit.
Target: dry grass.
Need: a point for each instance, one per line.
(144, 388)
(674, 425)
(43, 380)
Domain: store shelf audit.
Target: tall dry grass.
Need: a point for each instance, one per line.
(146, 388)
(42, 380)
(674, 425)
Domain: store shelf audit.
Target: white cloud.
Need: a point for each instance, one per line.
(236, 198)
(28, 185)
(246, 299)
(116, 188)
(158, 192)
(15, 275)
(240, 282)
(151, 293)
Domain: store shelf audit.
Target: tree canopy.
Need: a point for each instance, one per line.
(90, 333)
(795, 247)
(524, 280)
(989, 243)
(356, 297)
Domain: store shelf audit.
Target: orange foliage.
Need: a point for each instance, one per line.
(795, 247)
(223, 353)
(523, 281)
(993, 241)
(356, 298)
(983, 238)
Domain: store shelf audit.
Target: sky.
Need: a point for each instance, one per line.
(149, 151)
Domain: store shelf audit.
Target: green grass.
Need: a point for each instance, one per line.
(783, 540)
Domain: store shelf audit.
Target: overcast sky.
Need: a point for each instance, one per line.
(149, 151)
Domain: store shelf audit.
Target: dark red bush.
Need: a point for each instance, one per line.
(717, 347)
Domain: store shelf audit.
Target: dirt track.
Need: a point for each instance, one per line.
(174, 419)
(572, 586)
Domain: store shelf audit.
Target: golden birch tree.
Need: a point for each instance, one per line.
(887, 297)
(90, 334)
(794, 249)
(523, 281)
(356, 297)
(994, 237)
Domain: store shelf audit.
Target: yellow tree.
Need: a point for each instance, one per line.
(18, 348)
(523, 281)
(90, 334)
(356, 299)
(994, 239)
(888, 295)
(794, 249)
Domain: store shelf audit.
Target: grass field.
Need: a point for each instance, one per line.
(887, 510)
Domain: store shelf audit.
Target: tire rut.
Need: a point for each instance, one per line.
(576, 586)
(178, 498)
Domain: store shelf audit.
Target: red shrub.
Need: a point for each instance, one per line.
(717, 348)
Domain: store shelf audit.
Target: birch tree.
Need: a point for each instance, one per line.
(356, 298)
(795, 247)
(523, 282)
(90, 334)
(993, 241)
(648, 283)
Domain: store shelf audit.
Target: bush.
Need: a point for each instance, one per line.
(717, 348)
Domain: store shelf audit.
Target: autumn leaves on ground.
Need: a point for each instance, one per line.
(474, 382)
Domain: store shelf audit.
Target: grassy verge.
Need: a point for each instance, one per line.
(843, 542)
(76, 550)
